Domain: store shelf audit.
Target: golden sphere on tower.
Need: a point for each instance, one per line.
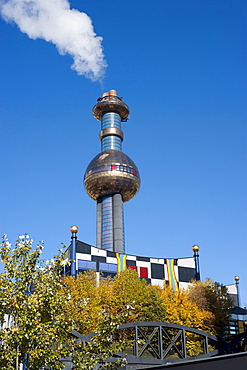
(74, 229)
(112, 172)
(236, 278)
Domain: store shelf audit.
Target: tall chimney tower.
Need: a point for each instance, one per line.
(111, 178)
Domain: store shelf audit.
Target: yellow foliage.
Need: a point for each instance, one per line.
(87, 300)
(143, 301)
(129, 298)
(181, 310)
(125, 296)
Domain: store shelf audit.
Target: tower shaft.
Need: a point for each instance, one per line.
(111, 121)
(111, 178)
(110, 223)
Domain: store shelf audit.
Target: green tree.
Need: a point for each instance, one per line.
(33, 294)
(145, 301)
(30, 294)
(88, 300)
(102, 346)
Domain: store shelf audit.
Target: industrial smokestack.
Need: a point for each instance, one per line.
(70, 30)
(111, 178)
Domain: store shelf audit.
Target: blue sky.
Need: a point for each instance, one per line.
(181, 67)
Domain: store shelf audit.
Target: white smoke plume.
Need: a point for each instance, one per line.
(69, 29)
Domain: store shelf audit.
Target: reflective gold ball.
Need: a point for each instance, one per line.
(236, 278)
(195, 248)
(74, 229)
(112, 172)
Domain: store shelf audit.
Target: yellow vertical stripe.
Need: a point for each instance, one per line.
(171, 274)
(121, 262)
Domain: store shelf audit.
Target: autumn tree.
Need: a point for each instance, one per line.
(145, 300)
(180, 309)
(214, 298)
(93, 302)
(126, 296)
(88, 301)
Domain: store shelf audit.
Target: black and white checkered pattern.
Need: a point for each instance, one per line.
(156, 268)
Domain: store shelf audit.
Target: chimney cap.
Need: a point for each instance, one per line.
(113, 92)
(109, 93)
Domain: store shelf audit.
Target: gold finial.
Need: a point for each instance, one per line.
(113, 93)
(109, 93)
(236, 278)
(74, 229)
(195, 248)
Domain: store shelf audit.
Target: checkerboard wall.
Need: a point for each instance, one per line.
(154, 270)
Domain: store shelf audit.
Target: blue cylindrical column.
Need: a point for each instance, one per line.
(111, 119)
(107, 223)
(110, 141)
(237, 278)
(73, 230)
(118, 226)
(196, 249)
(99, 223)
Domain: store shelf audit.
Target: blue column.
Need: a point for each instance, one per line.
(99, 223)
(196, 249)
(111, 120)
(237, 288)
(73, 230)
(118, 225)
(107, 223)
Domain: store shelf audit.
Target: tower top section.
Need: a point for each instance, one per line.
(110, 102)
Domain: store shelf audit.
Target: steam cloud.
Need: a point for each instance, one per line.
(70, 30)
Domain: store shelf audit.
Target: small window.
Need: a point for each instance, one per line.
(108, 267)
(143, 272)
(86, 265)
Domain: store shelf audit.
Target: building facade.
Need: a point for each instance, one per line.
(177, 272)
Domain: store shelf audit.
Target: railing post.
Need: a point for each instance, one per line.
(184, 343)
(206, 344)
(136, 341)
(160, 339)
